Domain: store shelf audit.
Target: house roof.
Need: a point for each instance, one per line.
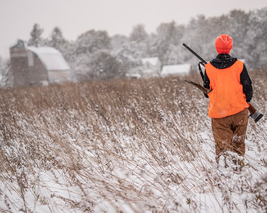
(153, 61)
(50, 57)
(176, 69)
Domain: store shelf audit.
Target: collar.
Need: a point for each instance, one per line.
(223, 61)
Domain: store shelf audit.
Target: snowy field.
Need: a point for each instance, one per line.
(124, 146)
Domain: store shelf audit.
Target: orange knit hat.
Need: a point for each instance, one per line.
(223, 44)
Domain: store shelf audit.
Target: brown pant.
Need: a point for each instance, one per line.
(229, 133)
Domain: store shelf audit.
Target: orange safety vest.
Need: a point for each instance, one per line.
(227, 97)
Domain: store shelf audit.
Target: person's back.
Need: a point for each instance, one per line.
(227, 96)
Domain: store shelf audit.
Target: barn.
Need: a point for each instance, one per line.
(30, 66)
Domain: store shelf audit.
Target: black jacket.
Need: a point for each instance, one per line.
(223, 61)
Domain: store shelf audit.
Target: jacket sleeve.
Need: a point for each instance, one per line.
(206, 83)
(247, 84)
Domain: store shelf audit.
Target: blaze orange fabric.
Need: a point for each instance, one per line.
(227, 97)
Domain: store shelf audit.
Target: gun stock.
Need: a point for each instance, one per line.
(255, 114)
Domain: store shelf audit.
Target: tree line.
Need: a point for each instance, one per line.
(96, 55)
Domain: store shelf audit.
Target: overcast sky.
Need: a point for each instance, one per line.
(75, 17)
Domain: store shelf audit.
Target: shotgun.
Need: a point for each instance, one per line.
(255, 114)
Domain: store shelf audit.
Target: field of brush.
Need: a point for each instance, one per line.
(124, 146)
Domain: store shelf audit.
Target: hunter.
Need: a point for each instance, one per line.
(229, 99)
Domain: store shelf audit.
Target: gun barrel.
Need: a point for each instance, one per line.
(194, 53)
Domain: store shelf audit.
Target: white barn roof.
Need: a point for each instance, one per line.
(50, 57)
(180, 69)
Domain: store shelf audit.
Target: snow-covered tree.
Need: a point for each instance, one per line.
(105, 66)
(68, 51)
(200, 37)
(166, 40)
(99, 65)
(56, 39)
(36, 38)
(117, 41)
(238, 29)
(81, 52)
(4, 64)
(138, 34)
(130, 54)
(92, 41)
(256, 38)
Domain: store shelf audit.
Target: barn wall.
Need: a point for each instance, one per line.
(56, 76)
(38, 73)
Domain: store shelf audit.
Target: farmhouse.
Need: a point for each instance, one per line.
(36, 66)
(180, 69)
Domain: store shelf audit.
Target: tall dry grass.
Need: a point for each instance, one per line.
(116, 146)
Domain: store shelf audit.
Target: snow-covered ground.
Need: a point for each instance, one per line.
(124, 146)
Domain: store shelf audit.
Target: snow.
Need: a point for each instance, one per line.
(50, 57)
(180, 69)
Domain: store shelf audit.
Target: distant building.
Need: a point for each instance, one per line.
(180, 69)
(36, 66)
(133, 75)
(151, 67)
